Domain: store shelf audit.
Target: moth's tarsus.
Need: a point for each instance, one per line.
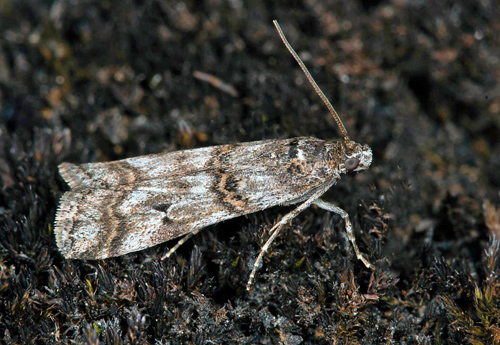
(119, 207)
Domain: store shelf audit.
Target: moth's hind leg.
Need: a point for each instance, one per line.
(350, 233)
(181, 242)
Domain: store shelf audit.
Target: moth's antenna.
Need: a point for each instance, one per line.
(313, 83)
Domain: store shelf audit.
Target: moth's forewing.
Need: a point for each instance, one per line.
(124, 206)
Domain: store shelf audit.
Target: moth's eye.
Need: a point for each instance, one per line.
(351, 163)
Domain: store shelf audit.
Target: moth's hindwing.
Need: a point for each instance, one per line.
(123, 206)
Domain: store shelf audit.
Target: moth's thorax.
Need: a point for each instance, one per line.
(305, 160)
(320, 158)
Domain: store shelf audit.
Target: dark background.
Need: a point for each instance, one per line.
(88, 81)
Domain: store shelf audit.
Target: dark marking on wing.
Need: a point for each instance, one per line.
(224, 155)
(116, 221)
(295, 168)
(231, 184)
(227, 189)
(219, 188)
(127, 173)
(318, 151)
(162, 207)
(293, 150)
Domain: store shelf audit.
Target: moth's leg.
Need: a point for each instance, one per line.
(274, 232)
(278, 226)
(181, 242)
(350, 233)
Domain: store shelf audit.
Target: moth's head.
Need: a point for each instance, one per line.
(356, 157)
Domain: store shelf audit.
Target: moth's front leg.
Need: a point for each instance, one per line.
(350, 233)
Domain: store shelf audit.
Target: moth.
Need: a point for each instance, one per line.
(124, 206)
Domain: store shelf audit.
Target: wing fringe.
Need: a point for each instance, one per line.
(73, 175)
(67, 211)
